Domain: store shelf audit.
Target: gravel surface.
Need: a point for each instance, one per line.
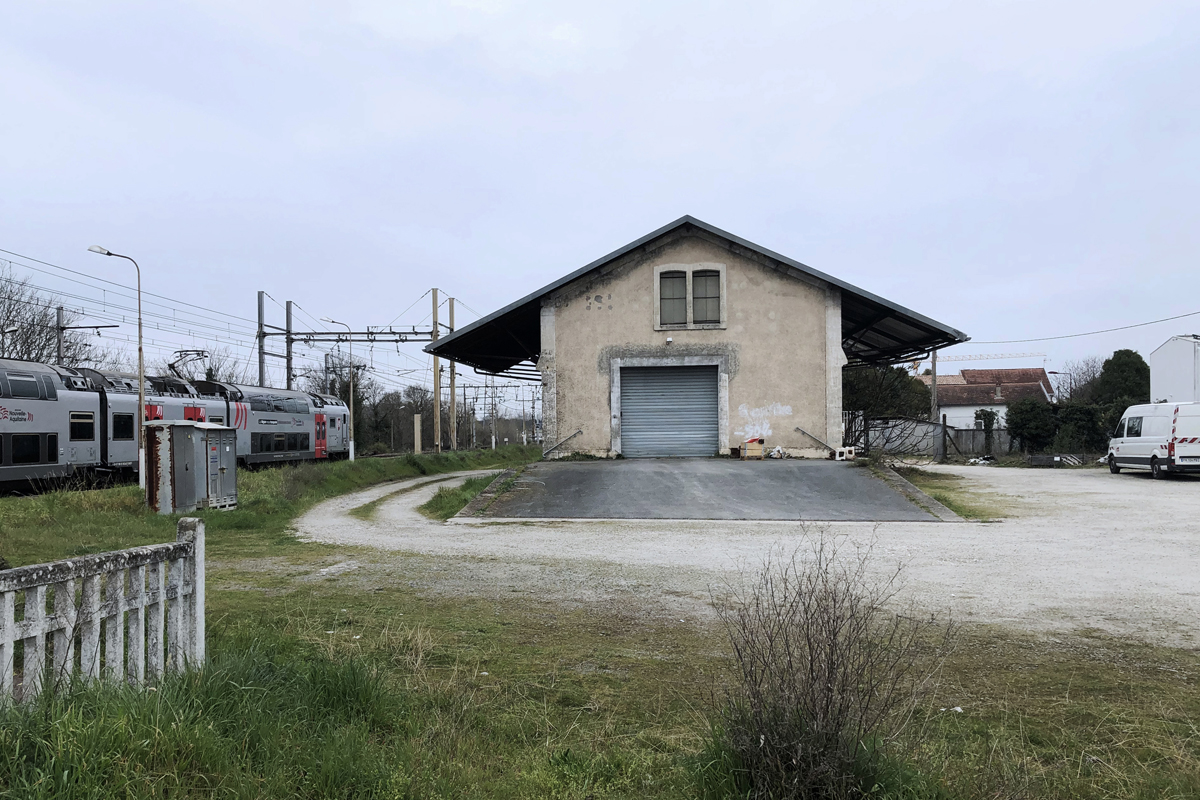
(1080, 549)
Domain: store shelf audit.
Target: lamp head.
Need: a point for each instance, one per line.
(98, 249)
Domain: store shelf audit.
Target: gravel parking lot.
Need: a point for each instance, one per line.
(1077, 549)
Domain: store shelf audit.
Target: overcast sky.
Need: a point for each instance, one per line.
(1015, 170)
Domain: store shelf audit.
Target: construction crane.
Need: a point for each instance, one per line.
(916, 365)
(991, 356)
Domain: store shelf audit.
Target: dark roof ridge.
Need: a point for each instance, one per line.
(687, 219)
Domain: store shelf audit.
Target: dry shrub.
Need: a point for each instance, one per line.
(826, 671)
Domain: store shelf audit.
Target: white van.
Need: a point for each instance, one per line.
(1164, 437)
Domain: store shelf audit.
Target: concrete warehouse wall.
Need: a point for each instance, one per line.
(778, 348)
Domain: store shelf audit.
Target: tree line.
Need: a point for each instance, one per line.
(1090, 397)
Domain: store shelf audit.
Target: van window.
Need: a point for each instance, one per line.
(1133, 427)
(24, 386)
(1119, 433)
(83, 426)
(122, 427)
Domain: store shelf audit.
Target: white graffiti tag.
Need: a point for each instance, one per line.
(756, 422)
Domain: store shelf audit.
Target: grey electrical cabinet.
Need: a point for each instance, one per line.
(190, 465)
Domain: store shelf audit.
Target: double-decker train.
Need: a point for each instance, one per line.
(58, 422)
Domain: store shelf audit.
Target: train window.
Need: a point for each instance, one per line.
(217, 420)
(280, 442)
(122, 427)
(304, 441)
(279, 404)
(83, 426)
(259, 402)
(48, 383)
(301, 406)
(26, 448)
(24, 386)
(292, 442)
(254, 448)
(51, 448)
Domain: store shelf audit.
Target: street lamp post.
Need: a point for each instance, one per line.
(350, 337)
(141, 368)
(4, 340)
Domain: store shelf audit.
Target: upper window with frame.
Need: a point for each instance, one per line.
(1133, 427)
(23, 386)
(673, 298)
(706, 297)
(689, 296)
(83, 426)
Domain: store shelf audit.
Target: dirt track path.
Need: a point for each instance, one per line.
(1081, 549)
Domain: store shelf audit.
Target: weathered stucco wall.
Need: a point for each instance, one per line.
(779, 350)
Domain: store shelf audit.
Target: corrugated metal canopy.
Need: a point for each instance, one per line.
(874, 330)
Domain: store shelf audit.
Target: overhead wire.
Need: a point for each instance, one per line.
(1089, 333)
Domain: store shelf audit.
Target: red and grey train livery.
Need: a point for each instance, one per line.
(56, 422)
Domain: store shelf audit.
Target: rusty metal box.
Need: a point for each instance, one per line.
(190, 465)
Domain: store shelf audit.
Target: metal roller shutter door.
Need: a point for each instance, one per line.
(668, 411)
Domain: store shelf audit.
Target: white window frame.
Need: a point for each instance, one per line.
(687, 270)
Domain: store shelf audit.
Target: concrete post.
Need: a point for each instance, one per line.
(437, 383)
(262, 342)
(288, 351)
(417, 434)
(453, 393)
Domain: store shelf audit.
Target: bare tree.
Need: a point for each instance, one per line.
(1077, 380)
(34, 316)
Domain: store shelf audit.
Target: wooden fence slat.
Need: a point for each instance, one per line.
(114, 628)
(135, 666)
(157, 595)
(89, 628)
(8, 609)
(34, 666)
(64, 637)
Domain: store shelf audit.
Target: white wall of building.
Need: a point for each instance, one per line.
(964, 416)
(1175, 370)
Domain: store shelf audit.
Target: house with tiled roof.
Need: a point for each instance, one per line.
(960, 396)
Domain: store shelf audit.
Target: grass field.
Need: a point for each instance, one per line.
(320, 689)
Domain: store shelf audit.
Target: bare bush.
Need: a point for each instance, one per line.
(827, 671)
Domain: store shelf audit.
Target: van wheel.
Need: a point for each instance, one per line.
(1112, 466)
(1156, 470)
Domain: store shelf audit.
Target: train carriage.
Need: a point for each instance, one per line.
(56, 422)
(48, 422)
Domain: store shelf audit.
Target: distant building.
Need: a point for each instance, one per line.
(960, 396)
(1175, 370)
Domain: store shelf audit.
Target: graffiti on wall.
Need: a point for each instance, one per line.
(756, 422)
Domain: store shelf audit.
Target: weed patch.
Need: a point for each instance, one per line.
(948, 489)
(448, 501)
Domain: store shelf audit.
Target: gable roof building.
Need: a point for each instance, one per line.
(975, 389)
(690, 340)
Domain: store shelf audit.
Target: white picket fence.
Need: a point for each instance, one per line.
(129, 614)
